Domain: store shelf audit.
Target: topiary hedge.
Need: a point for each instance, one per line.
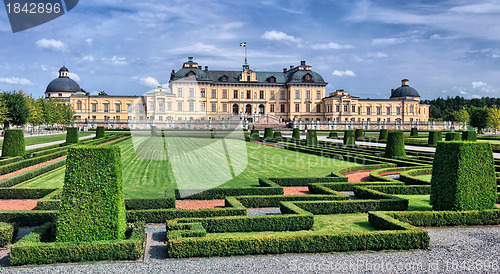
(434, 137)
(312, 138)
(277, 134)
(448, 218)
(8, 232)
(384, 133)
(333, 134)
(463, 177)
(13, 143)
(349, 139)
(469, 135)
(414, 132)
(395, 144)
(452, 136)
(268, 133)
(254, 134)
(296, 134)
(100, 132)
(358, 134)
(72, 135)
(92, 203)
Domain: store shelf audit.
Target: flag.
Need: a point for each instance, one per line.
(244, 44)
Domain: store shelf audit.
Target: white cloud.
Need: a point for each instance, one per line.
(16, 81)
(378, 55)
(274, 35)
(476, 85)
(149, 82)
(345, 73)
(74, 76)
(115, 60)
(88, 58)
(388, 41)
(44, 68)
(89, 41)
(331, 45)
(52, 45)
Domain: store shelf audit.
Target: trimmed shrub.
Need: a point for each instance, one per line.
(333, 134)
(448, 218)
(452, 136)
(349, 139)
(469, 135)
(296, 134)
(99, 133)
(312, 138)
(277, 134)
(358, 134)
(30, 174)
(268, 133)
(384, 133)
(29, 162)
(13, 143)
(463, 177)
(395, 144)
(414, 132)
(92, 202)
(154, 131)
(7, 233)
(434, 137)
(24, 193)
(254, 134)
(38, 247)
(72, 135)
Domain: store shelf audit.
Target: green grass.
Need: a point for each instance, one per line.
(425, 177)
(417, 202)
(143, 178)
(35, 140)
(337, 223)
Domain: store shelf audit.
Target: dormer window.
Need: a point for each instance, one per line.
(271, 79)
(191, 73)
(308, 78)
(223, 78)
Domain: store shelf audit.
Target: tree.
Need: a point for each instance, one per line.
(35, 116)
(494, 118)
(461, 115)
(18, 111)
(3, 111)
(479, 118)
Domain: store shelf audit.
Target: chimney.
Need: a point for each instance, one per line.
(206, 68)
(405, 82)
(284, 70)
(291, 67)
(302, 63)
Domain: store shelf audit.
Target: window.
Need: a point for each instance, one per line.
(79, 105)
(398, 111)
(179, 92)
(411, 109)
(179, 106)
(106, 107)
(308, 94)
(337, 108)
(162, 107)
(282, 108)
(224, 107)
(161, 118)
(224, 94)
(191, 106)
(214, 107)
(202, 106)
(346, 108)
(60, 94)
(203, 93)
(255, 95)
(169, 106)
(129, 107)
(151, 107)
(379, 110)
(214, 93)
(368, 110)
(308, 107)
(271, 108)
(297, 107)
(118, 107)
(249, 94)
(318, 108)
(318, 94)
(272, 94)
(297, 94)
(353, 109)
(261, 94)
(106, 118)
(242, 95)
(117, 118)
(235, 94)
(359, 110)
(388, 110)
(282, 95)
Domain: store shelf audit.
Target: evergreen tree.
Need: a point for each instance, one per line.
(479, 118)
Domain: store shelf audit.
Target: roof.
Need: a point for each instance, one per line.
(405, 91)
(63, 84)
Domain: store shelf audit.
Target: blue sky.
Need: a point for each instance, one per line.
(445, 48)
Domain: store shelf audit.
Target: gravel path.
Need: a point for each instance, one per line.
(452, 250)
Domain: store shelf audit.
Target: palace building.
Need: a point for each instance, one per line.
(197, 93)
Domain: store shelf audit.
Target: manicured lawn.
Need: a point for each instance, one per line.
(34, 140)
(336, 223)
(417, 202)
(201, 164)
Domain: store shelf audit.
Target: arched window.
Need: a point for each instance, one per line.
(79, 105)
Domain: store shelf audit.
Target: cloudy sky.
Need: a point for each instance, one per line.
(445, 48)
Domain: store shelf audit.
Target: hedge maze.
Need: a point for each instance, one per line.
(376, 211)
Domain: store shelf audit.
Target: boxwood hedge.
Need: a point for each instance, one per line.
(434, 137)
(349, 139)
(268, 133)
(100, 132)
(72, 135)
(395, 144)
(8, 232)
(383, 134)
(358, 133)
(312, 138)
(452, 136)
(469, 135)
(414, 132)
(13, 143)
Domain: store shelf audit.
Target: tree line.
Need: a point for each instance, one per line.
(18, 109)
